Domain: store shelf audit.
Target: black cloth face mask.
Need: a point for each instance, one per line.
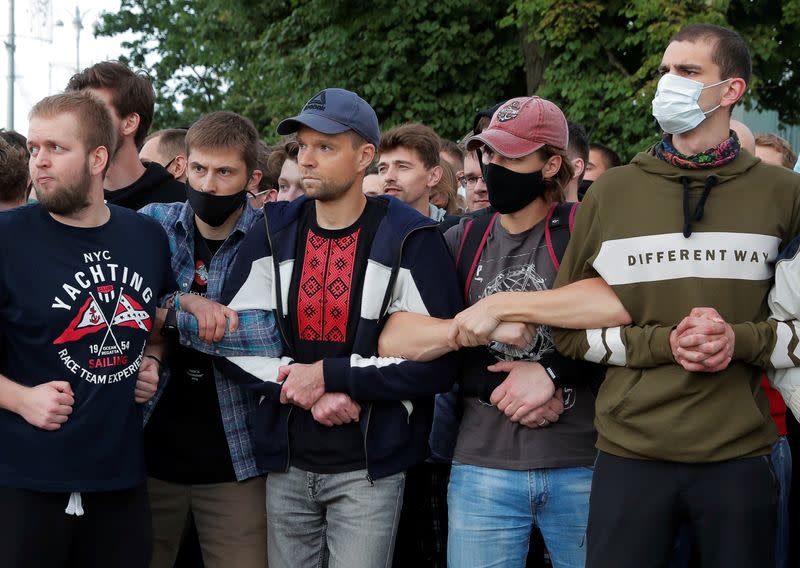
(214, 209)
(511, 191)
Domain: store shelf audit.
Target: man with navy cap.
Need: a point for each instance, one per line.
(337, 425)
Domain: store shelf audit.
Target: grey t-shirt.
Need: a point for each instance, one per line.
(486, 437)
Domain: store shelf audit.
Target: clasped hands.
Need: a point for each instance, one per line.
(304, 386)
(703, 342)
(527, 396)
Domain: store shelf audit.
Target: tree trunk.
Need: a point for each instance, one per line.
(535, 61)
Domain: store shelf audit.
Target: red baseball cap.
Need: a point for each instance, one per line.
(523, 125)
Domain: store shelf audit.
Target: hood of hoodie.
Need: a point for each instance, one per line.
(156, 185)
(648, 162)
(687, 180)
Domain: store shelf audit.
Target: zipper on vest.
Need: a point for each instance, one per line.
(396, 268)
(366, 453)
(277, 277)
(288, 444)
(384, 308)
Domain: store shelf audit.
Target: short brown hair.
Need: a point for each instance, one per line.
(730, 51)
(95, 127)
(413, 136)
(788, 157)
(451, 149)
(269, 176)
(171, 141)
(610, 157)
(16, 139)
(277, 157)
(131, 92)
(225, 129)
(13, 174)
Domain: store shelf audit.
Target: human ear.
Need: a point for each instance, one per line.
(551, 166)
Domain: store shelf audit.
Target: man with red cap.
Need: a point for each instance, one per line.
(683, 428)
(513, 468)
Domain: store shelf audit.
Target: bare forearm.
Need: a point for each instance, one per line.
(585, 304)
(414, 337)
(156, 344)
(10, 394)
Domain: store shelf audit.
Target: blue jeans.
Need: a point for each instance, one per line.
(782, 464)
(492, 512)
(337, 520)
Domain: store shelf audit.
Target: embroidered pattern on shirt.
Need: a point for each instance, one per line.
(323, 299)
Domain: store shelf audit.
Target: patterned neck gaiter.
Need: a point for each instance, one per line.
(711, 158)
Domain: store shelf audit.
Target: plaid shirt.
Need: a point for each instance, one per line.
(261, 338)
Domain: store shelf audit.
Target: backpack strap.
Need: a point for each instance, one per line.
(572, 211)
(464, 236)
(473, 240)
(558, 229)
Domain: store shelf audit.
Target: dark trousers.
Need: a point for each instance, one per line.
(35, 532)
(636, 507)
(793, 435)
(422, 532)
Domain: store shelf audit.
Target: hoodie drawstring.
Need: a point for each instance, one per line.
(710, 182)
(687, 220)
(75, 505)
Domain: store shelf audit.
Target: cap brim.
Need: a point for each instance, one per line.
(313, 121)
(504, 143)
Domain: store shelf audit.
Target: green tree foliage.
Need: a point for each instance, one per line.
(434, 62)
(437, 62)
(602, 57)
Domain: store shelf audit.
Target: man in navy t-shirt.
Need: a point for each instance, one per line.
(77, 306)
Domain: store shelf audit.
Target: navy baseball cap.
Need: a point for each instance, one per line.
(333, 111)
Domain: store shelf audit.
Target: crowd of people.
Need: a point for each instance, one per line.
(364, 348)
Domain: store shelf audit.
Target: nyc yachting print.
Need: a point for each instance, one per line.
(105, 299)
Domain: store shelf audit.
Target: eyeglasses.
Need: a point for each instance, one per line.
(252, 195)
(470, 181)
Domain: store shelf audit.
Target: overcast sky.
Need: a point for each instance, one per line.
(45, 57)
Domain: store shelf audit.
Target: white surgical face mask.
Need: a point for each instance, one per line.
(675, 104)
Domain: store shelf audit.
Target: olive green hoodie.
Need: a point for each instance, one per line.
(631, 230)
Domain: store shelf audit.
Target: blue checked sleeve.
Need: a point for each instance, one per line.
(257, 336)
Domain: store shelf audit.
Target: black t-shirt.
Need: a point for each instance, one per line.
(77, 305)
(156, 185)
(324, 309)
(185, 440)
